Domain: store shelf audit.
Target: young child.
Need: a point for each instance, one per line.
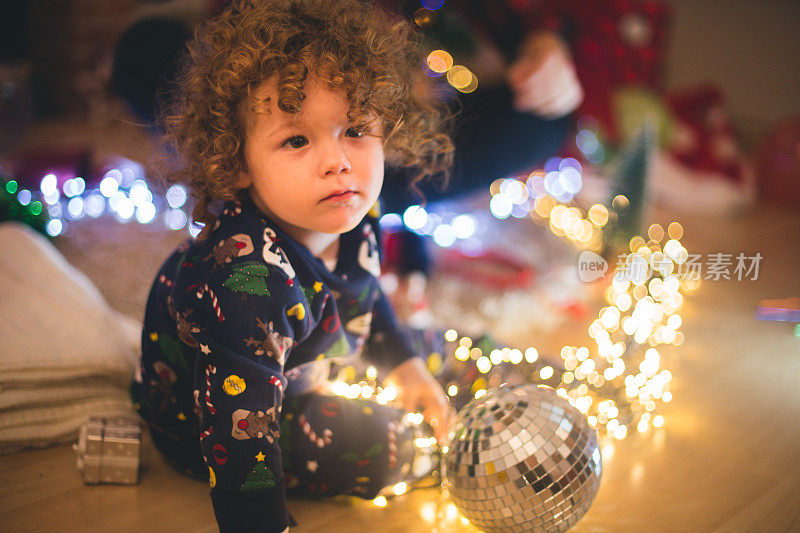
(288, 112)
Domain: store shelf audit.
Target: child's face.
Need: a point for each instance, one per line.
(312, 172)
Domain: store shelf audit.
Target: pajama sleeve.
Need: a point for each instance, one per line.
(247, 331)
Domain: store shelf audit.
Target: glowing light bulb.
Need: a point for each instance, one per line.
(54, 227)
(464, 226)
(400, 488)
(24, 197)
(415, 217)
(380, 501)
(500, 206)
(444, 235)
(462, 353)
(75, 208)
(49, 184)
(145, 213)
(176, 196)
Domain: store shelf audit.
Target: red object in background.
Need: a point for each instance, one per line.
(490, 269)
(778, 164)
(576, 309)
(703, 138)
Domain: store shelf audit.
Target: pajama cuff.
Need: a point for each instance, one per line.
(263, 511)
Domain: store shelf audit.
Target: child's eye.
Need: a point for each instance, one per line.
(297, 141)
(355, 132)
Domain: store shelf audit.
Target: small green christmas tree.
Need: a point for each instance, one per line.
(259, 478)
(250, 277)
(629, 191)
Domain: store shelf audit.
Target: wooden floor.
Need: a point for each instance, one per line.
(727, 458)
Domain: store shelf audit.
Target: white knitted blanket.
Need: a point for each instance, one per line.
(65, 355)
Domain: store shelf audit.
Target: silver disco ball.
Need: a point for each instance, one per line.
(522, 459)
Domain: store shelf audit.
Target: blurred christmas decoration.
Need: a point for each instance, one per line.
(621, 381)
(629, 189)
(635, 105)
(701, 168)
(703, 138)
(522, 459)
(778, 164)
(63, 197)
(19, 204)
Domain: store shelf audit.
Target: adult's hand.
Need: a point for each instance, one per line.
(543, 77)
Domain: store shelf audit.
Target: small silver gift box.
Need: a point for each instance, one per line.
(109, 450)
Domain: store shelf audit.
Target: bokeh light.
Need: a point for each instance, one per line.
(439, 61)
(433, 5)
(24, 197)
(415, 217)
(94, 205)
(54, 227)
(175, 219)
(49, 185)
(176, 196)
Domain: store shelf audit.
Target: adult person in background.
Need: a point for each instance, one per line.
(518, 116)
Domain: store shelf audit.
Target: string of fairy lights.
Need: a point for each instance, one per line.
(121, 192)
(620, 381)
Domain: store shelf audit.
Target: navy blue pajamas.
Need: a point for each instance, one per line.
(239, 333)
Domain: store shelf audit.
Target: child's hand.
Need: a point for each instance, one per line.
(417, 388)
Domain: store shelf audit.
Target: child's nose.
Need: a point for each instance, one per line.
(334, 160)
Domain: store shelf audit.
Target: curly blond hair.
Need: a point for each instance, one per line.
(375, 58)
